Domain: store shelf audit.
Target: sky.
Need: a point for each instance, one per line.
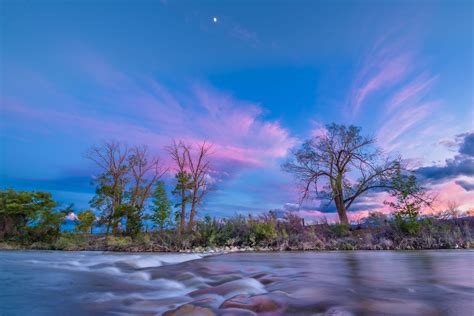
(255, 78)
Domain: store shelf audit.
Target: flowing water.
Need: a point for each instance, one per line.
(288, 283)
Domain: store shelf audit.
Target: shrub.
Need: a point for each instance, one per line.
(340, 230)
(118, 242)
(70, 241)
(208, 231)
(262, 233)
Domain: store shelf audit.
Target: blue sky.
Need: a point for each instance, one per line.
(263, 78)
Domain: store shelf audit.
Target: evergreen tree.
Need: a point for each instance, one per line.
(161, 206)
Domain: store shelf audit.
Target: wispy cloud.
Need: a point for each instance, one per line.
(235, 127)
(244, 34)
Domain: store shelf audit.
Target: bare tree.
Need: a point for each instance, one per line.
(326, 165)
(199, 168)
(111, 158)
(145, 172)
(178, 153)
(452, 211)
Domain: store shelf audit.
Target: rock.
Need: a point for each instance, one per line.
(338, 311)
(236, 312)
(189, 309)
(258, 304)
(235, 286)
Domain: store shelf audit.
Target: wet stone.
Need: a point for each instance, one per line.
(258, 304)
(190, 310)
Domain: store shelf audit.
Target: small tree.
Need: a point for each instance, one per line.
(85, 221)
(161, 206)
(410, 198)
(181, 191)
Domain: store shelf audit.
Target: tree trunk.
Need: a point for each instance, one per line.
(341, 211)
(191, 215)
(339, 201)
(115, 226)
(183, 211)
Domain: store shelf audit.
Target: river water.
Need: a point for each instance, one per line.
(287, 283)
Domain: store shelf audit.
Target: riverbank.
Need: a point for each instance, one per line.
(439, 234)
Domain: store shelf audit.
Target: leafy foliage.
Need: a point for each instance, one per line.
(85, 221)
(19, 209)
(409, 200)
(161, 206)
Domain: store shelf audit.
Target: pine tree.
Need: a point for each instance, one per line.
(161, 206)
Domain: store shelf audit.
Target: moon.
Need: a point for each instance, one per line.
(214, 19)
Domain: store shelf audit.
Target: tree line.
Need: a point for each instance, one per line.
(130, 177)
(339, 166)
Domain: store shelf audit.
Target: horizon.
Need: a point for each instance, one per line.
(238, 77)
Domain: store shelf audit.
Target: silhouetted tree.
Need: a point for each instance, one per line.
(144, 174)
(341, 165)
(199, 168)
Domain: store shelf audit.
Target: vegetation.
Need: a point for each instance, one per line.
(161, 207)
(85, 222)
(132, 210)
(325, 165)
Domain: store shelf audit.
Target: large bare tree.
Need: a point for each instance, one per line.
(341, 165)
(111, 158)
(145, 172)
(178, 154)
(199, 168)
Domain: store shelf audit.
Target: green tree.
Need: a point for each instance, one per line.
(19, 209)
(161, 206)
(111, 158)
(47, 228)
(85, 221)
(410, 198)
(181, 190)
(178, 152)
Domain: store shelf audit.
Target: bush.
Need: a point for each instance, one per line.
(208, 232)
(119, 242)
(340, 230)
(70, 241)
(407, 224)
(262, 233)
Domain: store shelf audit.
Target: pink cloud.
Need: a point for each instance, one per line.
(397, 125)
(378, 75)
(411, 92)
(146, 112)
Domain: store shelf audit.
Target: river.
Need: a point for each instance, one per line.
(286, 283)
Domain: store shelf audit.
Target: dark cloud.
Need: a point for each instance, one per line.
(81, 184)
(369, 201)
(461, 165)
(467, 146)
(466, 185)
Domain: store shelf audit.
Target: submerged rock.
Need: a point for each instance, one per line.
(190, 310)
(258, 304)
